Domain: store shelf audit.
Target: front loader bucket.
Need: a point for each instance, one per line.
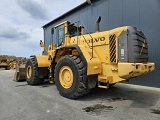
(19, 74)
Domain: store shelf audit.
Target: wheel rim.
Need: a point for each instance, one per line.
(29, 72)
(66, 77)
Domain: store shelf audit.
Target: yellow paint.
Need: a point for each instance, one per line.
(94, 64)
(128, 70)
(66, 77)
(29, 72)
(42, 60)
(63, 23)
(97, 50)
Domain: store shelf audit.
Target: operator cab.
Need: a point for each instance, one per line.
(67, 28)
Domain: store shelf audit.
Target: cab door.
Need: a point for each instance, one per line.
(60, 35)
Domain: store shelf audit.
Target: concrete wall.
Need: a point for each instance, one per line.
(143, 14)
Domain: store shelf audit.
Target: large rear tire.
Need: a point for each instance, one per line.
(31, 70)
(70, 77)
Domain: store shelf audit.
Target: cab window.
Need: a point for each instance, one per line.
(60, 34)
(73, 30)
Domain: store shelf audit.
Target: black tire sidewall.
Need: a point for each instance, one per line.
(66, 61)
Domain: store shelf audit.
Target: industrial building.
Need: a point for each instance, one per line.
(142, 14)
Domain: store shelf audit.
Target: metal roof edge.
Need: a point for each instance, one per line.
(70, 11)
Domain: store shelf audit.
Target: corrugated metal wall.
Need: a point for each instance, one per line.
(143, 14)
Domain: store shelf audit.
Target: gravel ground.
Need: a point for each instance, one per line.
(19, 101)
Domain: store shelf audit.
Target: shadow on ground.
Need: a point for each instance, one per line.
(140, 98)
(45, 84)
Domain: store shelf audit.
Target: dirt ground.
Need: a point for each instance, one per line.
(19, 101)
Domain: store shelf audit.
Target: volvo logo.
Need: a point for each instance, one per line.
(96, 39)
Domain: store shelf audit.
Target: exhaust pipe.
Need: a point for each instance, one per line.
(97, 24)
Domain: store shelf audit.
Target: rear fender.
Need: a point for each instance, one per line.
(91, 66)
(42, 64)
(42, 60)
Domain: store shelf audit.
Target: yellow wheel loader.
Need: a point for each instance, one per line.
(77, 62)
(4, 63)
(12, 65)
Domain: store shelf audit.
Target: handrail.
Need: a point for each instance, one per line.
(82, 34)
(90, 36)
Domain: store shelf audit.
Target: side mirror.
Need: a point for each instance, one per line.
(41, 44)
(52, 31)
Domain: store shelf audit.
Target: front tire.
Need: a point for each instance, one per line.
(31, 70)
(70, 77)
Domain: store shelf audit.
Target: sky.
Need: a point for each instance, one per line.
(21, 23)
